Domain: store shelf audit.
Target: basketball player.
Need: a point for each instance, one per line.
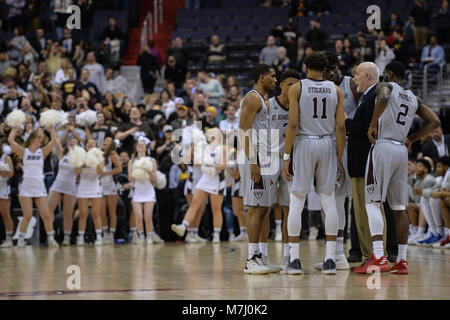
(316, 114)
(278, 119)
(387, 164)
(344, 189)
(256, 180)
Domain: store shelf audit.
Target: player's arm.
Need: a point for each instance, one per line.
(292, 126)
(383, 93)
(431, 122)
(353, 86)
(340, 128)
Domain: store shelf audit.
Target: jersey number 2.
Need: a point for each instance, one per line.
(324, 110)
(402, 114)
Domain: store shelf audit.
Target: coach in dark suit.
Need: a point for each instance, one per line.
(438, 146)
(366, 76)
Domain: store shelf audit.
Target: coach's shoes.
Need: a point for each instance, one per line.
(313, 233)
(156, 239)
(294, 267)
(273, 268)
(373, 264)
(7, 243)
(329, 267)
(400, 267)
(255, 265)
(179, 229)
(341, 263)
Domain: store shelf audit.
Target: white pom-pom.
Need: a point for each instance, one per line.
(4, 167)
(140, 174)
(49, 118)
(197, 136)
(77, 156)
(63, 118)
(161, 180)
(144, 163)
(94, 157)
(88, 117)
(210, 171)
(15, 118)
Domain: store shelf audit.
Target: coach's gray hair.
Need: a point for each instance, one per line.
(372, 69)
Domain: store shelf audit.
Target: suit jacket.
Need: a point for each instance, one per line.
(358, 142)
(429, 148)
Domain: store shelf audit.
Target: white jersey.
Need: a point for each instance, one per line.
(278, 120)
(318, 103)
(350, 104)
(397, 118)
(33, 164)
(143, 191)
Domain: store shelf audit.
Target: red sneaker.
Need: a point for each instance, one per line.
(445, 241)
(400, 267)
(373, 262)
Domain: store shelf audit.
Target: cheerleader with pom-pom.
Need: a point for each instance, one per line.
(6, 172)
(32, 186)
(212, 183)
(142, 175)
(64, 188)
(90, 189)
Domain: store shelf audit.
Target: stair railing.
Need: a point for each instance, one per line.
(151, 21)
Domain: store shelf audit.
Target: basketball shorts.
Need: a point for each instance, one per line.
(345, 185)
(257, 194)
(387, 174)
(282, 186)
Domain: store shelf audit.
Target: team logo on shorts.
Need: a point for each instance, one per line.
(370, 189)
(258, 194)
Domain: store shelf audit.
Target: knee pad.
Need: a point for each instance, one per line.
(375, 218)
(331, 213)
(296, 205)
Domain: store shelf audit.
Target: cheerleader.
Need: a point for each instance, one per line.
(110, 190)
(144, 196)
(90, 188)
(5, 202)
(64, 188)
(212, 184)
(32, 185)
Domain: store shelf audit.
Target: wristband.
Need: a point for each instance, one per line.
(286, 156)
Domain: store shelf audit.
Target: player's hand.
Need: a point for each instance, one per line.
(408, 144)
(287, 174)
(341, 171)
(255, 173)
(417, 191)
(372, 134)
(435, 194)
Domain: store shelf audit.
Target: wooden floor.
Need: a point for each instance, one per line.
(204, 271)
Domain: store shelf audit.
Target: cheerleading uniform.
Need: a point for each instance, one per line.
(66, 179)
(143, 191)
(90, 185)
(217, 183)
(4, 185)
(32, 184)
(109, 182)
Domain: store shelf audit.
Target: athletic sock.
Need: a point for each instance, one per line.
(185, 224)
(148, 235)
(195, 231)
(402, 248)
(112, 231)
(105, 231)
(243, 229)
(141, 234)
(67, 235)
(294, 251)
(190, 231)
(81, 233)
(50, 235)
(339, 245)
(8, 235)
(286, 250)
(252, 250)
(378, 249)
(263, 248)
(98, 232)
(278, 225)
(413, 230)
(330, 252)
(420, 230)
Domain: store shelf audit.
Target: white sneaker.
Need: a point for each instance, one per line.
(7, 243)
(80, 241)
(98, 242)
(53, 243)
(66, 242)
(284, 264)
(419, 237)
(341, 263)
(149, 241)
(134, 238)
(273, 268)
(278, 235)
(156, 238)
(313, 233)
(179, 229)
(242, 237)
(108, 239)
(139, 241)
(200, 239)
(216, 238)
(21, 243)
(190, 238)
(231, 237)
(447, 246)
(256, 266)
(437, 245)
